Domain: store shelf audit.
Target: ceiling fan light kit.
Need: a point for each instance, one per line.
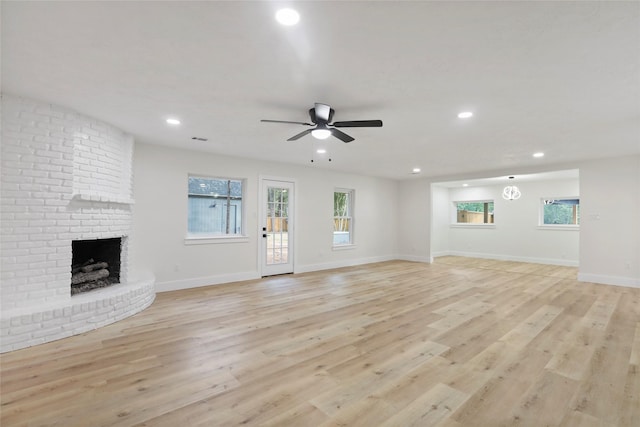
(321, 133)
(321, 116)
(287, 17)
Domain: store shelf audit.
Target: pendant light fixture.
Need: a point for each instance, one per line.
(511, 192)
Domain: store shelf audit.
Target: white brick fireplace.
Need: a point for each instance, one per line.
(65, 177)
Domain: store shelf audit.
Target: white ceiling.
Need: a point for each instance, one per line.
(556, 175)
(558, 77)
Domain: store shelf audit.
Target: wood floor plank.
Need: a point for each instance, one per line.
(459, 342)
(430, 408)
(580, 419)
(372, 372)
(522, 334)
(403, 390)
(574, 351)
(495, 401)
(634, 358)
(366, 412)
(546, 402)
(460, 312)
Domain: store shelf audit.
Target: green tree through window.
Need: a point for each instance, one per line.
(342, 217)
(561, 212)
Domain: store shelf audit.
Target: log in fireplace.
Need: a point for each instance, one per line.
(95, 264)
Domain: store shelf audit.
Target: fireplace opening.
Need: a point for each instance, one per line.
(95, 264)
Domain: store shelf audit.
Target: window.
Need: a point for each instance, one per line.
(480, 212)
(343, 217)
(562, 211)
(215, 206)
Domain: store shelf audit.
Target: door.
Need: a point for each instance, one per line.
(277, 227)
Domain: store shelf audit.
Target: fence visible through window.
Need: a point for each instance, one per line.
(277, 226)
(474, 212)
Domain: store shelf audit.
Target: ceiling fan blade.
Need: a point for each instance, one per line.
(322, 112)
(286, 121)
(341, 135)
(359, 124)
(300, 135)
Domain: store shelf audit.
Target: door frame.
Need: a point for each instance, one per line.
(293, 214)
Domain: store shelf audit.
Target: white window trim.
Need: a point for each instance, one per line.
(471, 225)
(560, 227)
(205, 238)
(352, 236)
(454, 215)
(208, 239)
(345, 247)
(565, 227)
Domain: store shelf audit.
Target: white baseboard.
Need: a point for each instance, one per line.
(346, 263)
(438, 254)
(629, 282)
(414, 258)
(502, 257)
(198, 282)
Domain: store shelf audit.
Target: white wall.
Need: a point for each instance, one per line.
(160, 218)
(515, 235)
(413, 229)
(610, 229)
(440, 220)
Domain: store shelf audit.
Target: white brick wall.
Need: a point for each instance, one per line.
(102, 162)
(64, 177)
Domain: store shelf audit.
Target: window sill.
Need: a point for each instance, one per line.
(472, 226)
(208, 240)
(343, 247)
(563, 227)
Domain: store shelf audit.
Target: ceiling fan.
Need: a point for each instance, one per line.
(321, 116)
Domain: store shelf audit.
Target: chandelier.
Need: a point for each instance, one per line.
(511, 192)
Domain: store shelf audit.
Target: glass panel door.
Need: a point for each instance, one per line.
(277, 229)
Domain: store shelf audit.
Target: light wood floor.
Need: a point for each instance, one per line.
(461, 342)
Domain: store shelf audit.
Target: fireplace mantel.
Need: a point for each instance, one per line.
(102, 198)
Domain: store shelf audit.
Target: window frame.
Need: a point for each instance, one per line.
(350, 217)
(543, 226)
(454, 216)
(196, 238)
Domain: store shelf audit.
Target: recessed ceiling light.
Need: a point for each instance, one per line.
(465, 115)
(287, 17)
(173, 121)
(540, 154)
(321, 151)
(465, 185)
(415, 170)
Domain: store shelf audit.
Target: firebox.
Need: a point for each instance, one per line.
(95, 264)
